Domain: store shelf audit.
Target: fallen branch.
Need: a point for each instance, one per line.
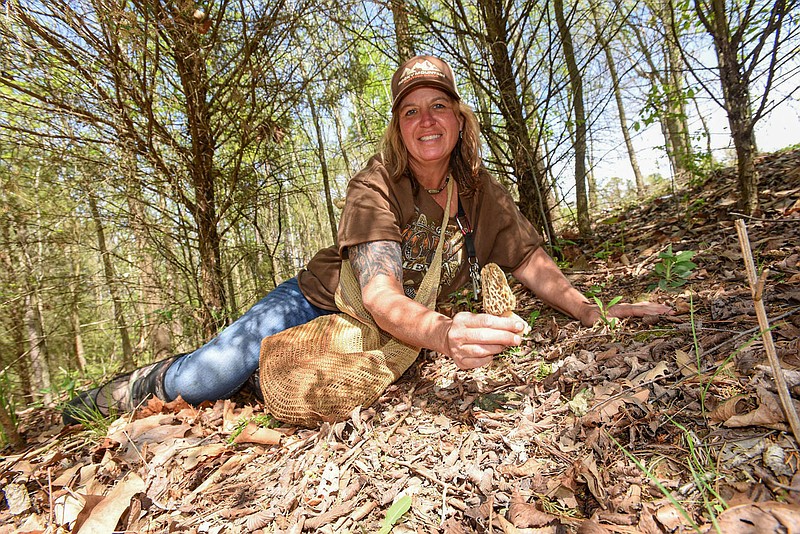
(757, 289)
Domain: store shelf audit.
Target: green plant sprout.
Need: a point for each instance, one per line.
(395, 513)
(93, 419)
(464, 300)
(674, 268)
(532, 318)
(702, 474)
(543, 371)
(595, 289)
(610, 322)
(262, 420)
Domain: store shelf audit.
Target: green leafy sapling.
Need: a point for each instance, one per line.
(674, 269)
(610, 322)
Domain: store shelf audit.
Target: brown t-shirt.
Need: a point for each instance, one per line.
(378, 208)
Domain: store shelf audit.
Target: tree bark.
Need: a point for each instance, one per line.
(9, 428)
(531, 184)
(754, 31)
(37, 347)
(111, 283)
(576, 85)
(405, 41)
(737, 103)
(623, 119)
(667, 96)
(74, 316)
(191, 68)
(154, 334)
(31, 253)
(323, 164)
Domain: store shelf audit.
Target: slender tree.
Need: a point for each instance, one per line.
(576, 90)
(111, 281)
(531, 183)
(403, 36)
(664, 69)
(746, 35)
(600, 30)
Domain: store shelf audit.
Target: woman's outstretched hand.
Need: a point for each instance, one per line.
(474, 338)
(620, 311)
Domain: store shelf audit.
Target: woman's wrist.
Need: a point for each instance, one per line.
(589, 314)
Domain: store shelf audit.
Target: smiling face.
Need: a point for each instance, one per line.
(429, 126)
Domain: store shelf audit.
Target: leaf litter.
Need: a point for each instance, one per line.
(664, 424)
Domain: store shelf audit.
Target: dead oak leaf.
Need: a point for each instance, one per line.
(526, 515)
(760, 517)
(768, 414)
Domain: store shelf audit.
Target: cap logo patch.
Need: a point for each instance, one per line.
(420, 69)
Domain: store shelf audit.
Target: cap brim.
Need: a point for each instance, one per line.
(436, 84)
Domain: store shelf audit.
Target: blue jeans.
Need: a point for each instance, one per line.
(220, 367)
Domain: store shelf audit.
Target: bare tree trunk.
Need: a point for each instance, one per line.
(31, 261)
(234, 307)
(591, 181)
(405, 41)
(14, 310)
(735, 93)
(154, 334)
(110, 277)
(576, 84)
(190, 63)
(531, 183)
(673, 100)
(9, 428)
(74, 315)
(323, 163)
(623, 120)
(21, 363)
(669, 104)
(37, 348)
(337, 119)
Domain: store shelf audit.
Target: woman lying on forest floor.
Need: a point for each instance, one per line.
(388, 235)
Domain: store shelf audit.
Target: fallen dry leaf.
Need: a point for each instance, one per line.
(760, 517)
(253, 433)
(105, 515)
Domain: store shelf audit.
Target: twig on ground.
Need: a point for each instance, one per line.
(757, 288)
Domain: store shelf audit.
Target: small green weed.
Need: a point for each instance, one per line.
(262, 420)
(610, 322)
(611, 248)
(93, 420)
(543, 371)
(654, 480)
(395, 513)
(595, 289)
(674, 268)
(464, 300)
(532, 318)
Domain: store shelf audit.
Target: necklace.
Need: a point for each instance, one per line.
(437, 191)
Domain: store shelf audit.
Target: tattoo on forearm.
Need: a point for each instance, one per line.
(376, 257)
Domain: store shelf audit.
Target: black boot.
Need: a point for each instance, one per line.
(253, 385)
(123, 393)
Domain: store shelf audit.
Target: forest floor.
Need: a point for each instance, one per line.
(669, 424)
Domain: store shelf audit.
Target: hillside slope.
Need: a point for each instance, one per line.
(644, 426)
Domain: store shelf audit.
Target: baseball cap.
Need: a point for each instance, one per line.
(422, 71)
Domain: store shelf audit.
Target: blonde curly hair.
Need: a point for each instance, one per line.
(465, 160)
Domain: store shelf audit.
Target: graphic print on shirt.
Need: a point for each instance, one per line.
(420, 238)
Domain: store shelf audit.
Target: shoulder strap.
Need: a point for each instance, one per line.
(469, 243)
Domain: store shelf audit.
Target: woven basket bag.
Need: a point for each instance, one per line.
(323, 369)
